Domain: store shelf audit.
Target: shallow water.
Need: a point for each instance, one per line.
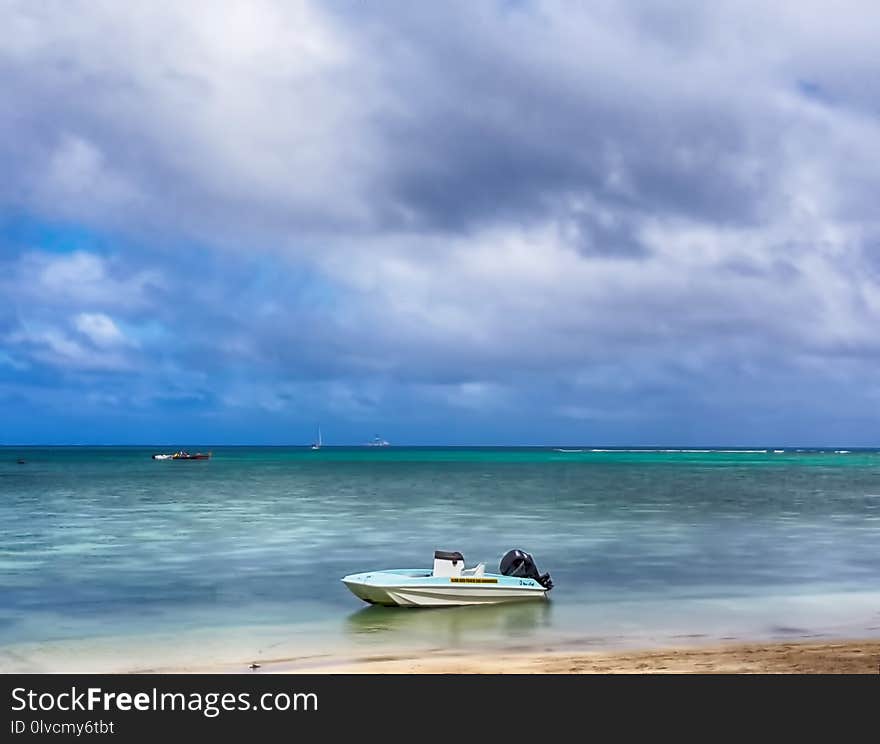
(104, 548)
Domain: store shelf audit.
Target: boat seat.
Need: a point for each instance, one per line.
(448, 563)
(476, 571)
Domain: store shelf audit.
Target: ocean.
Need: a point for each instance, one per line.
(111, 561)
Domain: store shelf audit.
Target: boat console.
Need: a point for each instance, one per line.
(448, 563)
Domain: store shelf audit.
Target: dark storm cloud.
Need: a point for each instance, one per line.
(487, 130)
(437, 117)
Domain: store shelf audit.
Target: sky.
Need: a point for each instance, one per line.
(496, 222)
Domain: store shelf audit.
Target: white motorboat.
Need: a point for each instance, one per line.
(450, 584)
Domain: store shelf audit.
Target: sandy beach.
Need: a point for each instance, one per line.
(837, 657)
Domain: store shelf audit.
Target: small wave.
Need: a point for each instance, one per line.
(681, 451)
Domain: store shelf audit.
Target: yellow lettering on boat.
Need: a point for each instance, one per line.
(472, 580)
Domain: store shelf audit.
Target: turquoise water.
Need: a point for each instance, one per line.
(104, 550)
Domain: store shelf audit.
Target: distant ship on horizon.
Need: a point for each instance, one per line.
(377, 441)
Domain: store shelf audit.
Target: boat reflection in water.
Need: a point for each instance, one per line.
(450, 625)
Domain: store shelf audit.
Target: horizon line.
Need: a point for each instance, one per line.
(594, 447)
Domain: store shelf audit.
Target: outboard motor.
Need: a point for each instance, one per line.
(521, 564)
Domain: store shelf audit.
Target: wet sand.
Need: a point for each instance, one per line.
(839, 657)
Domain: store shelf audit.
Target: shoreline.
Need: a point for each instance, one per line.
(837, 657)
(831, 654)
(844, 656)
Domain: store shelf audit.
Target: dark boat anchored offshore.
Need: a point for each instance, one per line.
(184, 456)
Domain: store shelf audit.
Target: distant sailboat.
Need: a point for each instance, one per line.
(377, 441)
(318, 442)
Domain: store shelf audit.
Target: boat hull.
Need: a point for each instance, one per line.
(403, 589)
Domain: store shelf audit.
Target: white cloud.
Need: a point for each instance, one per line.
(52, 347)
(99, 329)
(82, 278)
(78, 182)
